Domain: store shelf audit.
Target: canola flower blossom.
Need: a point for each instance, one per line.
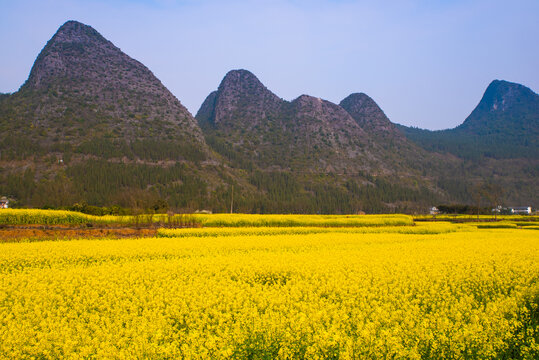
(54, 217)
(64, 217)
(421, 228)
(291, 220)
(470, 293)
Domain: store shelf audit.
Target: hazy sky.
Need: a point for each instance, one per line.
(425, 62)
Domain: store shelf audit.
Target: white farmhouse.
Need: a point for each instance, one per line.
(525, 210)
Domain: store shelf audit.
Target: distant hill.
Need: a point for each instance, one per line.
(504, 125)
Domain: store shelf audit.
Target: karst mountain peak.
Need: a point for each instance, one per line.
(84, 89)
(73, 47)
(370, 116)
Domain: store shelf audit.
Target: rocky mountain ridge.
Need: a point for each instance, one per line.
(245, 118)
(370, 117)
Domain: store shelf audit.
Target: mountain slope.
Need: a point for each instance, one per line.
(504, 125)
(247, 122)
(313, 140)
(369, 116)
(357, 145)
(92, 124)
(86, 94)
(244, 120)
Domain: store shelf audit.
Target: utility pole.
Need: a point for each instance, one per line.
(232, 200)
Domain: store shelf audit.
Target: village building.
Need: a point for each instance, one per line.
(524, 210)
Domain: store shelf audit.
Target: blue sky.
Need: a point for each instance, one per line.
(426, 63)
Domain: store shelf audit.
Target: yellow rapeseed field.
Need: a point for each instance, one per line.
(420, 228)
(62, 217)
(465, 294)
(54, 217)
(291, 220)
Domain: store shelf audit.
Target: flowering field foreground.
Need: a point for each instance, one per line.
(471, 293)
